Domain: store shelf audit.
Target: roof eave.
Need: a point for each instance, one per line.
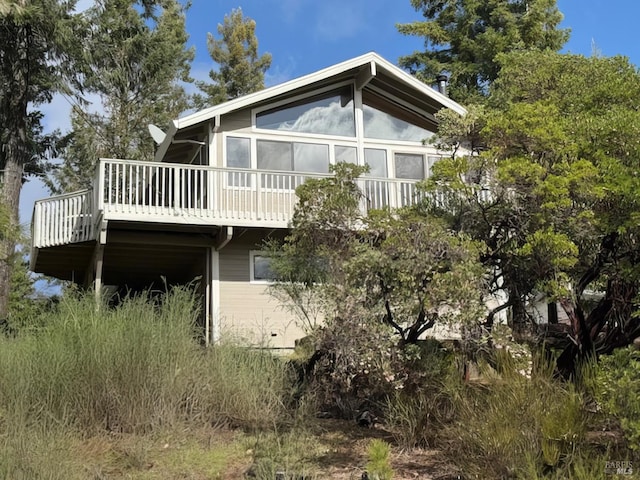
(247, 100)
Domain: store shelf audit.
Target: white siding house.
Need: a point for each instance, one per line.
(224, 179)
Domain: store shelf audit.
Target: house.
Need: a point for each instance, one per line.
(224, 179)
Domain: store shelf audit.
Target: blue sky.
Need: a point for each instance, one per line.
(307, 35)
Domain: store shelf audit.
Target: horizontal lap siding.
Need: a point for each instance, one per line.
(247, 309)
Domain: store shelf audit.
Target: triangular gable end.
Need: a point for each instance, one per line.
(370, 70)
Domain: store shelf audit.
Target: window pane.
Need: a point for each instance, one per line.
(238, 152)
(262, 268)
(331, 113)
(346, 154)
(239, 156)
(430, 162)
(389, 121)
(310, 157)
(409, 166)
(274, 155)
(377, 161)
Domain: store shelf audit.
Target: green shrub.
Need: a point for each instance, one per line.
(416, 413)
(514, 424)
(617, 389)
(378, 466)
(245, 387)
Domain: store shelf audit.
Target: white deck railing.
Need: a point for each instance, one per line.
(189, 194)
(202, 194)
(63, 219)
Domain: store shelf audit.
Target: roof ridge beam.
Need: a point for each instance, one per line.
(365, 75)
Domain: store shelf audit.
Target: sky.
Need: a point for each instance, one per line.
(307, 35)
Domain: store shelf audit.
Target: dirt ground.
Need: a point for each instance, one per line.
(343, 446)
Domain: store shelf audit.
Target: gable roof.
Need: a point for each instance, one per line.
(364, 68)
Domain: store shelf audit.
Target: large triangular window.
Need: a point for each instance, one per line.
(330, 113)
(386, 120)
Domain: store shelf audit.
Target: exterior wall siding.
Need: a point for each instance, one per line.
(247, 310)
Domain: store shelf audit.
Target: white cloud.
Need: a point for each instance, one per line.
(280, 73)
(290, 9)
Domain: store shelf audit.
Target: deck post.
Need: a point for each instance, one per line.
(213, 322)
(98, 273)
(98, 261)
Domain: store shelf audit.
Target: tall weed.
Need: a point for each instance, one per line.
(134, 368)
(514, 424)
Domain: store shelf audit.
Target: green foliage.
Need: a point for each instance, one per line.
(402, 268)
(380, 281)
(556, 146)
(378, 466)
(135, 61)
(135, 368)
(240, 69)
(416, 413)
(463, 38)
(515, 426)
(27, 307)
(617, 389)
(37, 44)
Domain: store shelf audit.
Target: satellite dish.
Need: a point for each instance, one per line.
(157, 134)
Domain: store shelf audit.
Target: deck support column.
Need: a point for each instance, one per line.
(98, 273)
(213, 296)
(97, 262)
(212, 274)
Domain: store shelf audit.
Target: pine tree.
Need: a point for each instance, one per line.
(35, 38)
(241, 70)
(463, 37)
(136, 65)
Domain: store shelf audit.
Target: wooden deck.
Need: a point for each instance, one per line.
(178, 194)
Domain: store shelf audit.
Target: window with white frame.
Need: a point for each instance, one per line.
(376, 160)
(409, 166)
(260, 267)
(292, 156)
(346, 154)
(239, 156)
(330, 113)
(385, 120)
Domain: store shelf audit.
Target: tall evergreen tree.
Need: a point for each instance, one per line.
(241, 70)
(136, 65)
(557, 146)
(463, 37)
(35, 38)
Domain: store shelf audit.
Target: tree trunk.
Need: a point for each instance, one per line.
(14, 153)
(610, 325)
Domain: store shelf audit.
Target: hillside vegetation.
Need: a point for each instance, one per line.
(129, 392)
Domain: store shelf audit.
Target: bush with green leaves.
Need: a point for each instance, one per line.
(416, 413)
(509, 425)
(617, 389)
(382, 280)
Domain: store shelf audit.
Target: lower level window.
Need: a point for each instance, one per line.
(261, 267)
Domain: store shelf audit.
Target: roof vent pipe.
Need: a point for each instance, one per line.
(442, 80)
